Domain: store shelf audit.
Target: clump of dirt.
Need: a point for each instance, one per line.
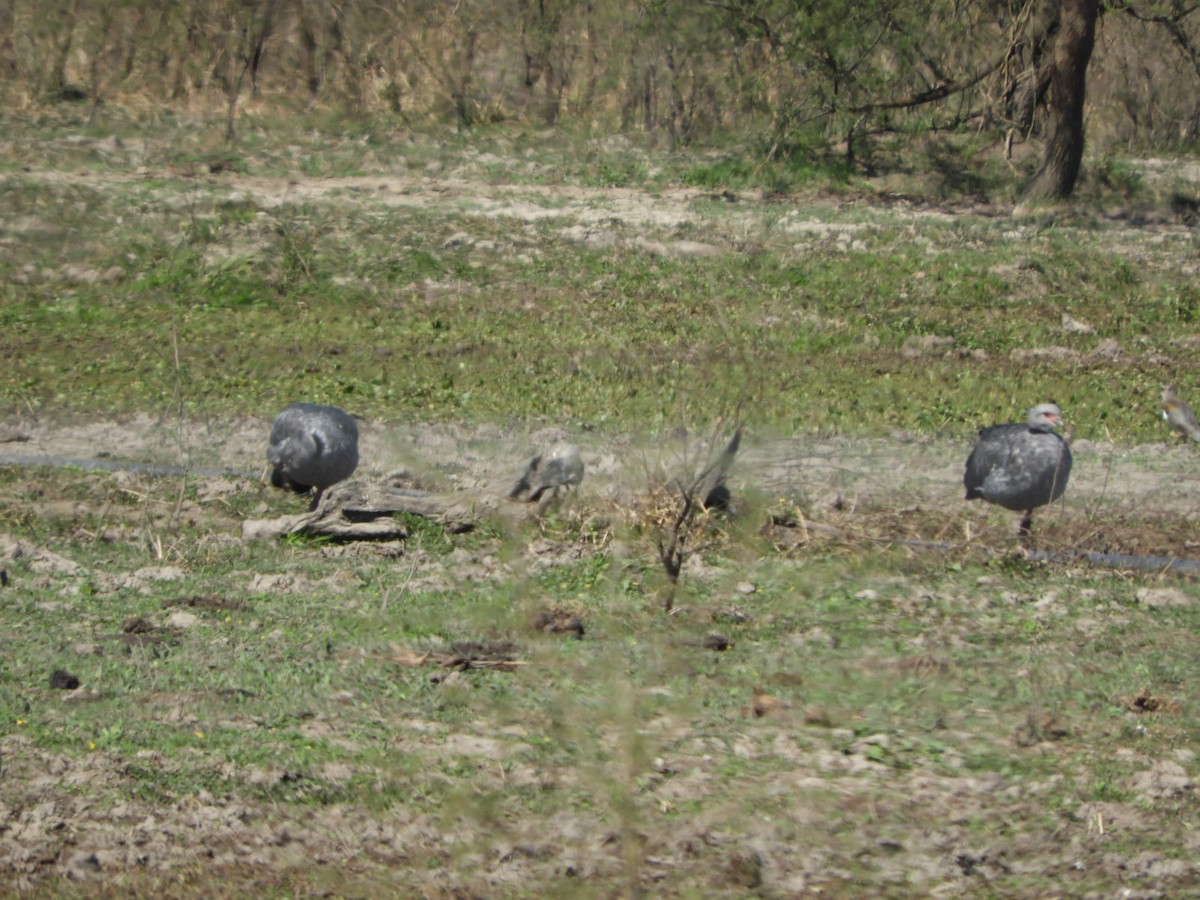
(1145, 702)
(1038, 728)
(556, 620)
(140, 632)
(499, 655)
(62, 680)
(213, 602)
(716, 642)
(473, 654)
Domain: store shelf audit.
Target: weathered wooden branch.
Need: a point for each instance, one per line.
(361, 510)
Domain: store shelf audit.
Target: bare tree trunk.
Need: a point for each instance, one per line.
(588, 97)
(9, 66)
(1055, 178)
(58, 73)
(245, 38)
(649, 98)
(677, 124)
(545, 41)
(309, 61)
(232, 93)
(102, 50)
(460, 90)
(256, 56)
(1027, 91)
(1191, 128)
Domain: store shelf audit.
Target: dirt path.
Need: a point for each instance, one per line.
(1109, 484)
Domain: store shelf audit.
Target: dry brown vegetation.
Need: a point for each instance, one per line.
(804, 80)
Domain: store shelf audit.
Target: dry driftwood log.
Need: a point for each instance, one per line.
(356, 510)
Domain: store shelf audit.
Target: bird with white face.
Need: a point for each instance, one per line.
(1020, 466)
(1179, 415)
(312, 447)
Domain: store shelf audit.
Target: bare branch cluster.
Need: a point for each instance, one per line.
(806, 77)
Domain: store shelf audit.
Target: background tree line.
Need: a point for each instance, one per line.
(799, 75)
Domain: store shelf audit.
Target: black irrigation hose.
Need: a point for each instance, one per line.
(1179, 564)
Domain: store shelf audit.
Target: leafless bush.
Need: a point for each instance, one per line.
(674, 69)
(681, 500)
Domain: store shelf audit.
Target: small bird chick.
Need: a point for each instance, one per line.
(560, 466)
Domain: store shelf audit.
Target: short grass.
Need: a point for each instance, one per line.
(904, 720)
(238, 293)
(884, 722)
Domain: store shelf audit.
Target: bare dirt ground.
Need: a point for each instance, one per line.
(128, 847)
(1115, 489)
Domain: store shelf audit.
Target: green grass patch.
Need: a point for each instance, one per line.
(815, 713)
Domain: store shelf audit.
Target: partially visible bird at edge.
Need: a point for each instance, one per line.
(714, 491)
(1179, 415)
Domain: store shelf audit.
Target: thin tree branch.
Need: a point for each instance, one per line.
(1174, 29)
(939, 91)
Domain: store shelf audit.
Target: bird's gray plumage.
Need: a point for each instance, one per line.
(1020, 466)
(1179, 415)
(312, 447)
(560, 466)
(714, 493)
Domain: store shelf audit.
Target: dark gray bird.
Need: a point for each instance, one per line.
(560, 466)
(1020, 467)
(714, 493)
(1179, 415)
(312, 447)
